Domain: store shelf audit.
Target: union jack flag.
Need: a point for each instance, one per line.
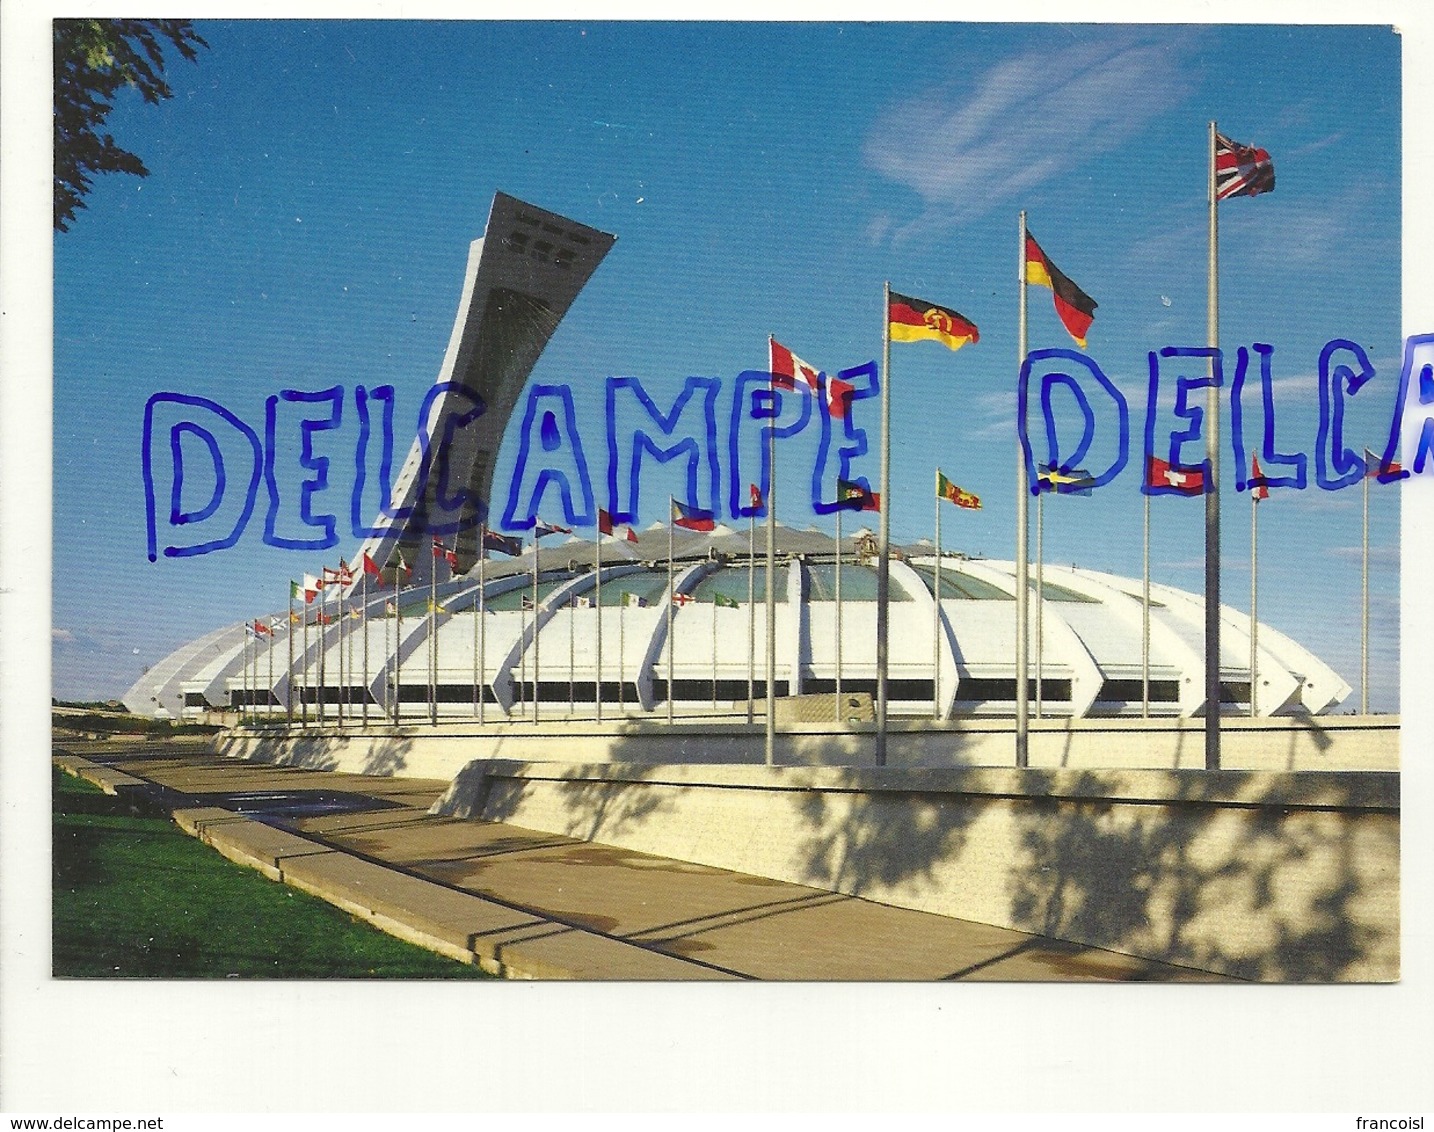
(1241, 170)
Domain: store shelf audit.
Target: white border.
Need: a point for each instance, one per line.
(333, 1047)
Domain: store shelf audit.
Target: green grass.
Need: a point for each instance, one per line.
(136, 897)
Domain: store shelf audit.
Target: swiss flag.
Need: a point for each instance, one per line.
(1187, 481)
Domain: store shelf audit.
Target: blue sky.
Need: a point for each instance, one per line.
(315, 186)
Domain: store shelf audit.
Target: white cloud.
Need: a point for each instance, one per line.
(967, 148)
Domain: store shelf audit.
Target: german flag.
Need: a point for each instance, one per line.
(1075, 307)
(948, 491)
(915, 320)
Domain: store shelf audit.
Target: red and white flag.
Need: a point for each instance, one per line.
(787, 369)
(1259, 485)
(441, 551)
(1187, 481)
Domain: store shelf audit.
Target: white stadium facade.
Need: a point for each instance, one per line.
(629, 628)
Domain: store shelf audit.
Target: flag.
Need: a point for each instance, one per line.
(838, 396)
(1187, 481)
(441, 551)
(1075, 307)
(260, 627)
(390, 609)
(681, 599)
(527, 601)
(636, 601)
(915, 320)
(788, 369)
(397, 562)
(582, 602)
(298, 592)
(370, 566)
(294, 619)
(1241, 170)
(492, 540)
(948, 491)
(755, 496)
(355, 615)
(605, 526)
(1259, 485)
(436, 607)
(1065, 481)
(312, 588)
(323, 618)
(1373, 468)
(725, 602)
(857, 496)
(542, 529)
(690, 518)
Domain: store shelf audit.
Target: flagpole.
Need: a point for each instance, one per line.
(597, 604)
(840, 714)
(1254, 599)
(1364, 600)
(269, 691)
(1040, 593)
(770, 742)
(343, 668)
(323, 662)
(397, 646)
(714, 652)
(536, 537)
(936, 614)
(363, 602)
(1212, 491)
(345, 658)
(244, 672)
(751, 614)
(572, 654)
(480, 680)
(289, 692)
(1023, 574)
(671, 600)
(432, 631)
(883, 570)
(304, 699)
(1145, 612)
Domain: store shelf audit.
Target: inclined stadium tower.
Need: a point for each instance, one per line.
(574, 630)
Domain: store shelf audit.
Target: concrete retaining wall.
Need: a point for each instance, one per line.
(1323, 743)
(1271, 876)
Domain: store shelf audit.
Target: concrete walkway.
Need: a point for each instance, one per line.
(535, 905)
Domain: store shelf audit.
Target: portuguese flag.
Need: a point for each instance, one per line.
(948, 491)
(915, 320)
(856, 496)
(1076, 308)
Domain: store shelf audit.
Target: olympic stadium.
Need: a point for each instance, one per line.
(674, 624)
(497, 646)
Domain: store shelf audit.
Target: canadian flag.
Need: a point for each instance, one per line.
(788, 369)
(605, 526)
